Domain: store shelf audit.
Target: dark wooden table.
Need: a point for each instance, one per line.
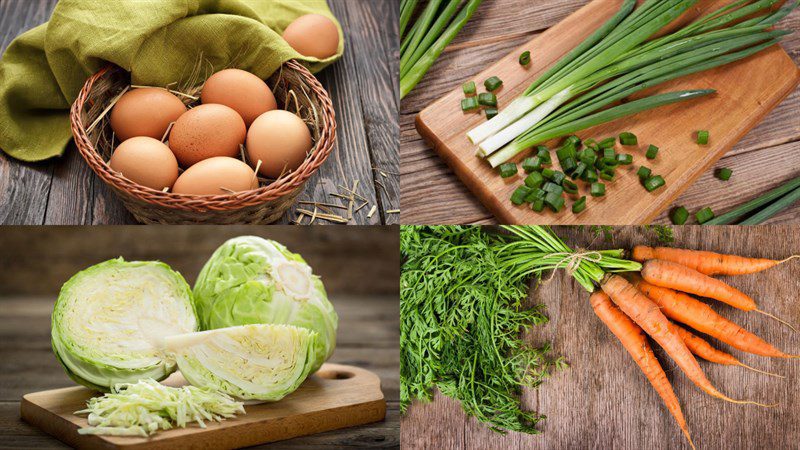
(363, 86)
(431, 193)
(603, 401)
(368, 337)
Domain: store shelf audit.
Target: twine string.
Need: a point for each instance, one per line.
(571, 261)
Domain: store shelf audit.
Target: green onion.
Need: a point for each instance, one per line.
(653, 183)
(579, 205)
(554, 201)
(469, 88)
(679, 215)
(627, 138)
(544, 154)
(492, 83)
(756, 203)
(702, 137)
(538, 205)
(580, 169)
(597, 189)
(590, 176)
(553, 187)
(469, 104)
(568, 165)
(607, 174)
(558, 177)
(487, 99)
(548, 173)
(518, 197)
(652, 151)
(644, 173)
(776, 207)
(534, 194)
(569, 187)
(507, 170)
(490, 112)
(625, 159)
(704, 215)
(525, 58)
(531, 164)
(724, 174)
(608, 143)
(534, 180)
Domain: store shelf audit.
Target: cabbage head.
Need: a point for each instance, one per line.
(250, 362)
(110, 320)
(250, 280)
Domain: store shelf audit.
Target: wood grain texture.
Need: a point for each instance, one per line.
(432, 194)
(603, 401)
(337, 396)
(367, 338)
(64, 191)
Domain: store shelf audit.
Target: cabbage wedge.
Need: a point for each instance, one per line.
(110, 320)
(251, 280)
(250, 362)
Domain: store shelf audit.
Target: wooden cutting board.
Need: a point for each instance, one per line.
(746, 91)
(337, 396)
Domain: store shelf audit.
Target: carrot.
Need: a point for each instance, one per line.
(698, 315)
(635, 342)
(703, 349)
(707, 263)
(647, 315)
(681, 278)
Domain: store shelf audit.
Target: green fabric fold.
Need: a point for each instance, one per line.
(158, 41)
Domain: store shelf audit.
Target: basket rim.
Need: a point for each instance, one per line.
(202, 203)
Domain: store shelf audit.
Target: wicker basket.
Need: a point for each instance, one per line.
(292, 84)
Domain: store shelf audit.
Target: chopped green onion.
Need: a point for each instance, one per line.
(579, 205)
(608, 143)
(654, 182)
(724, 174)
(704, 215)
(538, 205)
(568, 165)
(469, 88)
(558, 177)
(531, 164)
(579, 170)
(525, 58)
(548, 173)
(607, 174)
(534, 180)
(569, 187)
(652, 151)
(492, 83)
(627, 138)
(702, 137)
(534, 195)
(487, 99)
(590, 176)
(507, 170)
(542, 151)
(552, 187)
(597, 189)
(644, 173)
(554, 201)
(469, 104)
(608, 153)
(625, 158)
(490, 112)
(518, 197)
(572, 140)
(679, 215)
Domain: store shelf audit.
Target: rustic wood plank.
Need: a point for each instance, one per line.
(428, 184)
(365, 99)
(603, 401)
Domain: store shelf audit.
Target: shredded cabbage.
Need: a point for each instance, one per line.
(141, 409)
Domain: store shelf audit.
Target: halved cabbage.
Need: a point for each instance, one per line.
(110, 320)
(253, 280)
(250, 362)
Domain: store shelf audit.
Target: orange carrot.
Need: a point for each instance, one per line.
(647, 315)
(681, 278)
(708, 263)
(635, 342)
(698, 315)
(703, 349)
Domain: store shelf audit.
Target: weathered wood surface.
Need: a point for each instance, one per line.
(64, 191)
(368, 338)
(603, 401)
(431, 193)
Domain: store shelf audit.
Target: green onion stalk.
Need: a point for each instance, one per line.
(436, 26)
(620, 59)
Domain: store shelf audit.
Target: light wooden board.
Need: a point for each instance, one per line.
(603, 401)
(747, 91)
(337, 396)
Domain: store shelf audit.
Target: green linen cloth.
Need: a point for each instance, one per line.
(158, 41)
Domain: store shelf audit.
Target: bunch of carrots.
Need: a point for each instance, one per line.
(634, 306)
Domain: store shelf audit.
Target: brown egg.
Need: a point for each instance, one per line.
(145, 112)
(242, 91)
(207, 131)
(146, 161)
(216, 176)
(313, 35)
(281, 141)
